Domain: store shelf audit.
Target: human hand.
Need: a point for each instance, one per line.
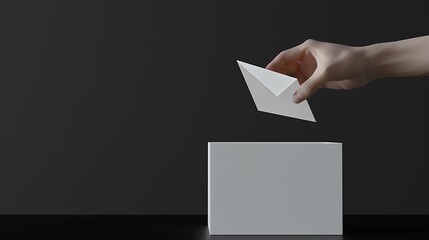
(322, 65)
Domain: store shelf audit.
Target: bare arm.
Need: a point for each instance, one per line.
(408, 57)
(326, 65)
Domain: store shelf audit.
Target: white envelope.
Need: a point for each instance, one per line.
(273, 92)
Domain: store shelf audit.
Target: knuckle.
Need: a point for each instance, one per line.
(283, 53)
(309, 42)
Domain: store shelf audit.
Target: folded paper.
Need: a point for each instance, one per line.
(272, 92)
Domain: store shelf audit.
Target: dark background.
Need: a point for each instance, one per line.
(106, 107)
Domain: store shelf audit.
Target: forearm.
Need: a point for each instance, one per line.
(408, 57)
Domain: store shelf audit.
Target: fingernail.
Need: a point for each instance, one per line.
(296, 98)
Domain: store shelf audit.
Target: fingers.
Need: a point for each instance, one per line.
(285, 62)
(332, 85)
(290, 69)
(309, 87)
(345, 84)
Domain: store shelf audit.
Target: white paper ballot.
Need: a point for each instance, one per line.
(273, 92)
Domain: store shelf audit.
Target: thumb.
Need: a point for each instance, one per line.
(308, 88)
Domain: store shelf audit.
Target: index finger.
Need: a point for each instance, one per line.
(282, 62)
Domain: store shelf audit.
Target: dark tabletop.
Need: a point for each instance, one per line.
(189, 227)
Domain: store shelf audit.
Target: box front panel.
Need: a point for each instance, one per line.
(275, 188)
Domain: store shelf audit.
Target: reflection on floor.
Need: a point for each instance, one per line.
(192, 227)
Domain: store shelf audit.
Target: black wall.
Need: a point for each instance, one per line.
(106, 107)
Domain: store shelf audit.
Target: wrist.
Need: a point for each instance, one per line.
(379, 60)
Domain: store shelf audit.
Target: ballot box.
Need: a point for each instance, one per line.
(275, 188)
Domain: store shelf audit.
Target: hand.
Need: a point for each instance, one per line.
(322, 65)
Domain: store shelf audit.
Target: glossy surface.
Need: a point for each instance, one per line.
(191, 228)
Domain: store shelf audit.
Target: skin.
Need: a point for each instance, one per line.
(327, 65)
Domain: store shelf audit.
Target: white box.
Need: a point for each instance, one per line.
(282, 188)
